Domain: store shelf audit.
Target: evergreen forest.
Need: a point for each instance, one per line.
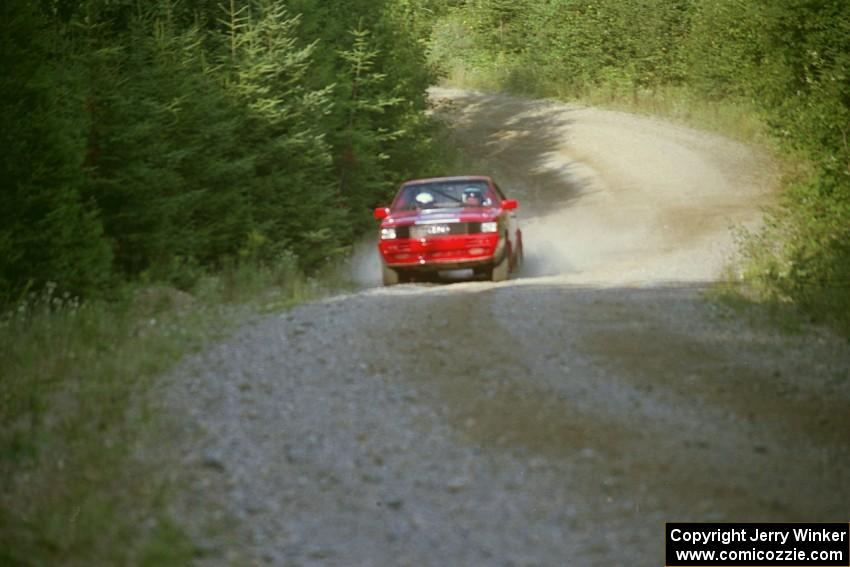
(155, 140)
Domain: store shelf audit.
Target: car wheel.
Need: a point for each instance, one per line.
(390, 276)
(500, 271)
(519, 258)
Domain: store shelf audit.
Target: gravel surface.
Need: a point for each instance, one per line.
(559, 418)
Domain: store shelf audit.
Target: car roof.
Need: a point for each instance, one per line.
(451, 178)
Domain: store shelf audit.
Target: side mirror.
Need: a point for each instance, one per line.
(381, 213)
(509, 204)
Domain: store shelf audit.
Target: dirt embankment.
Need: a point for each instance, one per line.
(558, 418)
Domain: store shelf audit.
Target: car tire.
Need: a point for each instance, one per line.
(499, 272)
(390, 276)
(519, 259)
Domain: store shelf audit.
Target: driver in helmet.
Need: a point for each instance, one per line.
(473, 197)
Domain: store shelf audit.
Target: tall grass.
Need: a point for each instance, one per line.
(77, 486)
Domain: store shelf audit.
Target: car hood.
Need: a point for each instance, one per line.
(460, 214)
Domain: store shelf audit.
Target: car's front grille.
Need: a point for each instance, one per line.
(455, 228)
(402, 231)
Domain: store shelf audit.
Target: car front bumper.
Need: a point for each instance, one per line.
(442, 252)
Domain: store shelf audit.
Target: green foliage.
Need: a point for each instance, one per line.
(724, 48)
(815, 267)
(363, 139)
(799, 72)
(545, 45)
(290, 189)
(162, 166)
(48, 231)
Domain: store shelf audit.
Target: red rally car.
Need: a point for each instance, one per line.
(449, 223)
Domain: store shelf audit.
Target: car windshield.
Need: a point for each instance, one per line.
(444, 194)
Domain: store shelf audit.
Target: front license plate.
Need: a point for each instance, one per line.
(426, 230)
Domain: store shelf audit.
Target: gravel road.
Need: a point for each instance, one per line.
(559, 418)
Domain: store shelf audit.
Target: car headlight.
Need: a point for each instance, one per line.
(387, 233)
(490, 226)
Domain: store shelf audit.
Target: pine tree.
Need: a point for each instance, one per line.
(363, 140)
(290, 190)
(48, 232)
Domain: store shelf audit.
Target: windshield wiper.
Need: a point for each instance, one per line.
(446, 195)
